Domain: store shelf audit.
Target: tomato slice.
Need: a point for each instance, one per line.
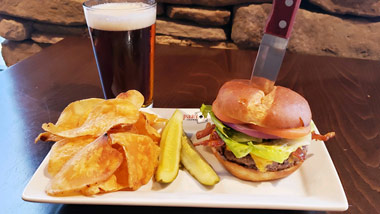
(283, 133)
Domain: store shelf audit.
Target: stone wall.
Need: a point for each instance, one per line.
(344, 28)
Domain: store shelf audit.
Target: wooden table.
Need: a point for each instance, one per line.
(344, 95)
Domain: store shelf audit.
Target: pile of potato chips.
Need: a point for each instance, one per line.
(102, 146)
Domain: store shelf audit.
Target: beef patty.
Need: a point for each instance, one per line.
(248, 162)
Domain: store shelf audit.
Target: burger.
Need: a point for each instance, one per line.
(258, 136)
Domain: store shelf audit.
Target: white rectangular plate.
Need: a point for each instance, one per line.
(315, 186)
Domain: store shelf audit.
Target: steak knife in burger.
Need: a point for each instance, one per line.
(258, 136)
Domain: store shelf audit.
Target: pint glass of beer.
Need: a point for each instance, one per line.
(123, 36)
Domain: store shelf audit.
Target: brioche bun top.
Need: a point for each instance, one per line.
(239, 101)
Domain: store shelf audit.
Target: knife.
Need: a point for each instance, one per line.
(273, 44)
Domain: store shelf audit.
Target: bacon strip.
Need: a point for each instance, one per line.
(206, 131)
(325, 137)
(213, 143)
(299, 154)
(214, 140)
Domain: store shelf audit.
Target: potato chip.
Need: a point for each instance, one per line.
(75, 114)
(93, 164)
(133, 96)
(153, 119)
(101, 118)
(110, 185)
(141, 158)
(47, 136)
(122, 173)
(64, 150)
(143, 127)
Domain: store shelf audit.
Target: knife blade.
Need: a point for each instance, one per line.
(273, 44)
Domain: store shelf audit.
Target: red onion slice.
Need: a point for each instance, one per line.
(251, 132)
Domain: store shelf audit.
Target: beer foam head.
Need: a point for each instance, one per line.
(120, 16)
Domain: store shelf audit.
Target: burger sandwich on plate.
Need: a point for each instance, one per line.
(258, 136)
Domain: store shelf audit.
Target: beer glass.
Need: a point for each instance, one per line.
(123, 37)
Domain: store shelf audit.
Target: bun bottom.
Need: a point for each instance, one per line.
(251, 174)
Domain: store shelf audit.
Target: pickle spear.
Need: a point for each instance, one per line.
(170, 145)
(195, 164)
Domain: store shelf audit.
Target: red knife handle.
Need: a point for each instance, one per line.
(281, 19)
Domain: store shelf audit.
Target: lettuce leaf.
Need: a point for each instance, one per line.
(207, 109)
(277, 150)
(239, 149)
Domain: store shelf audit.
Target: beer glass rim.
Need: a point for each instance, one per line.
(87, 6)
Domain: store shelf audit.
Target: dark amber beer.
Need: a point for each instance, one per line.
(123, 37)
